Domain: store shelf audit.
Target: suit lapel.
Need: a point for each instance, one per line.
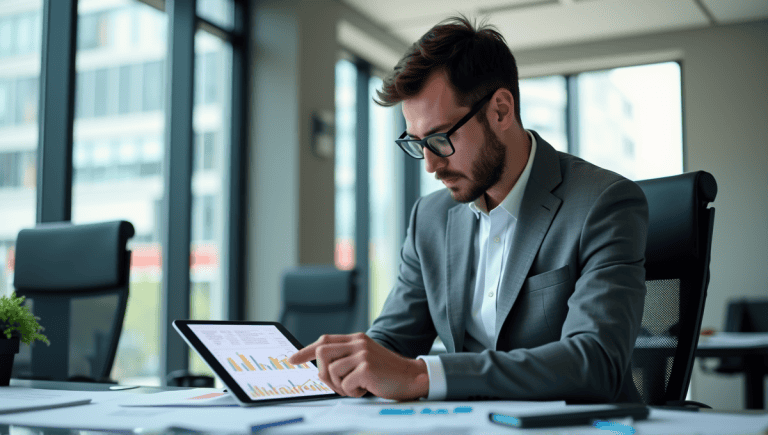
(460, 233)
(537, 210)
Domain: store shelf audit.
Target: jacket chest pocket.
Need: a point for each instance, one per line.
(540, 309)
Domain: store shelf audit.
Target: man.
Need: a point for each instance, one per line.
(529, 266)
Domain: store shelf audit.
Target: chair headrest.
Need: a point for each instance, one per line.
(318, 287)
(675, 207)
(64, 256)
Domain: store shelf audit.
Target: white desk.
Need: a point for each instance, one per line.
(354, 416)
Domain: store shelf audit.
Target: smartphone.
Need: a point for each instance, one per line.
(566, 417)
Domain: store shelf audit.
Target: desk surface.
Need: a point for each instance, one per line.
(364, 417)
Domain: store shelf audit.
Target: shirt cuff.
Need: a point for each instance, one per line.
(438, 388)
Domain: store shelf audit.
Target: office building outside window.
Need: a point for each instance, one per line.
(118, 156)
(210, 176)
(20, 54)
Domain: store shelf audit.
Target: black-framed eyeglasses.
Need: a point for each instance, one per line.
(439, 143)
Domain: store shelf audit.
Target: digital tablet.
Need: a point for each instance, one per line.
(251, 359)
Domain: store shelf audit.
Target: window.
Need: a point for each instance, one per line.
(212, 113)
(219, 12)
(20, 52)
(6, 112)
(630, 120)
(118, 156)
(543, 108)
(118, 161)
(385, 222)
(346, 120)
(379, 220)
(153, 86)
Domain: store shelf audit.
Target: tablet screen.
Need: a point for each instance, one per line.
(256, 356)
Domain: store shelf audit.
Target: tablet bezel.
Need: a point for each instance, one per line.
(182, 327)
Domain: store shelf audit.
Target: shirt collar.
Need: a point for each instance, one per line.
(514, 198)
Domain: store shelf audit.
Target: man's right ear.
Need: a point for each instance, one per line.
(501, 109)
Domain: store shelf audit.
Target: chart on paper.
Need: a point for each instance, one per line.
(256, 356)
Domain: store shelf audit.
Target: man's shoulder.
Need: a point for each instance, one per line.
(585, 178)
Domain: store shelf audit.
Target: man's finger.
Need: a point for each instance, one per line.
(340, 368)
(308, 353)
(354, 384)
(327, 354)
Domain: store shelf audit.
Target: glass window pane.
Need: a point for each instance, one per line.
(118, 159)
(219, 12)
(427, 182)
(385, 181)
(210, 184)
(346, 166)
(542, 108)
(20, 53)
(631, 120)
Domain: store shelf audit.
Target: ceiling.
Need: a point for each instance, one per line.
(538, 23)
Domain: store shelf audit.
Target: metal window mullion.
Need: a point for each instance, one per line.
(362, 194)
(56, 112)
(572, 113)
(177, 204)
(235, 249)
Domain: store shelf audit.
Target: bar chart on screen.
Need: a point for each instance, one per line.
(256, 357)
(309, 386)
(241, 363)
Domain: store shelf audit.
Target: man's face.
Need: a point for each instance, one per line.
(478, 162)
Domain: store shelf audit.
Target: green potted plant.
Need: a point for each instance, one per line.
(17, 324)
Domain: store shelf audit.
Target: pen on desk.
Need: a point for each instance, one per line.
(276, 423)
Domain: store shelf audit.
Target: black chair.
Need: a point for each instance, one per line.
(75, 279)
(677, 276)
(319, 300)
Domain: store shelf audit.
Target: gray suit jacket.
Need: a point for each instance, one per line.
(570, 300)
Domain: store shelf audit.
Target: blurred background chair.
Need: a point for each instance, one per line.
(319, 300)
(677, 276)
(745, 315)
(75, 279)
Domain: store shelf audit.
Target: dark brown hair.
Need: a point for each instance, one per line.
(477, 61)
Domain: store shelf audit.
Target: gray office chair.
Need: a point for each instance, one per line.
(75, 278)
(319, 300)
(677, 276)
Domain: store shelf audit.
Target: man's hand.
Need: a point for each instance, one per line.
(355, 364)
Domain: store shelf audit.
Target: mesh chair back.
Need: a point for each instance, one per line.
(319, 300)
(677, 276)
(75, 279)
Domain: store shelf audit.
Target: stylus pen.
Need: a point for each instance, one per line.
(276, 423)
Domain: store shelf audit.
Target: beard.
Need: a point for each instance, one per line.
(486, 170)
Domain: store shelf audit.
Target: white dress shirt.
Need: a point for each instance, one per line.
(492, 242)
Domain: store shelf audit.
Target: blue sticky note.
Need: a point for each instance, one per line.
(614, 428)
(396, 411)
